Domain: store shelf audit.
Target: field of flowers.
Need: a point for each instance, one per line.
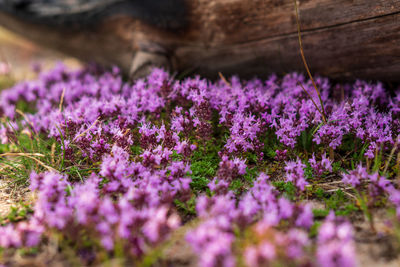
(231, 168)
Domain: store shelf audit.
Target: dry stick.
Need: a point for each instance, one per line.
(331, 154)
(41, 163)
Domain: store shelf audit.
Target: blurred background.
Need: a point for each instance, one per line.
(18, 57)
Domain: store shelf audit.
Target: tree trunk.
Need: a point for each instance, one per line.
(343, 39)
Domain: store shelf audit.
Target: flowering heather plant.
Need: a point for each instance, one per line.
(117, 168)
(275, 247)
(335, 243)
(319, 167)
(295, 174)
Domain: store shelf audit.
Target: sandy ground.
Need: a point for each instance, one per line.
(10, 196)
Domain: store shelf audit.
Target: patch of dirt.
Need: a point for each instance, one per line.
(10, 196)
(376, 249)
(179, 253)
(373, 249)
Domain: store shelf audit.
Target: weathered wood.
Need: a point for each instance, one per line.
(343, 39)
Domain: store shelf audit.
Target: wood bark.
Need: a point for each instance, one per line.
(343, 39)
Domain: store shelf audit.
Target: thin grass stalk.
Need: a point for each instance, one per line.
(322, 111)
(305, 62)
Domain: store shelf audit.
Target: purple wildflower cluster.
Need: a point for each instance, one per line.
(319, 167)
(335, 243)
(221, 215)
(295, 174)
(140, 139)
(375, 185)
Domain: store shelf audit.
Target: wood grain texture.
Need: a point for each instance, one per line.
(361, 49)
(342, 39)
(240, 21)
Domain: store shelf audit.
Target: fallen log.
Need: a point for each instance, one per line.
(342, 39)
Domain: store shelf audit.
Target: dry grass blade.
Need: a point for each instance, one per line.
(53, 152)
(315, 104)
(30, 156)
(88, 129)
(305, 62)
(42, 164)
(16, 154)
(25, 118)
(322, 111)
(390, 156)
(224, 79)
(61, 100)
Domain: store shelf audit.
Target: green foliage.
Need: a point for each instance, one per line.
(320, 213)
(305, 139)
(314, 229)
(204, 166)
(27, 152)
(287, 188)
(75, 172)
(337, 201)
(17, 213)
(252, 158)
(308, 172)
(25, 107)
(271, 144)
(251, 175)
(188, 207)
(337, 167)
(237, 186)
(137, 150)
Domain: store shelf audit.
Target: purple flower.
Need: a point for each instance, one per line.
(335, 243)
(260, 255)
(355, 177)
(295, 174)
(322, 166)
